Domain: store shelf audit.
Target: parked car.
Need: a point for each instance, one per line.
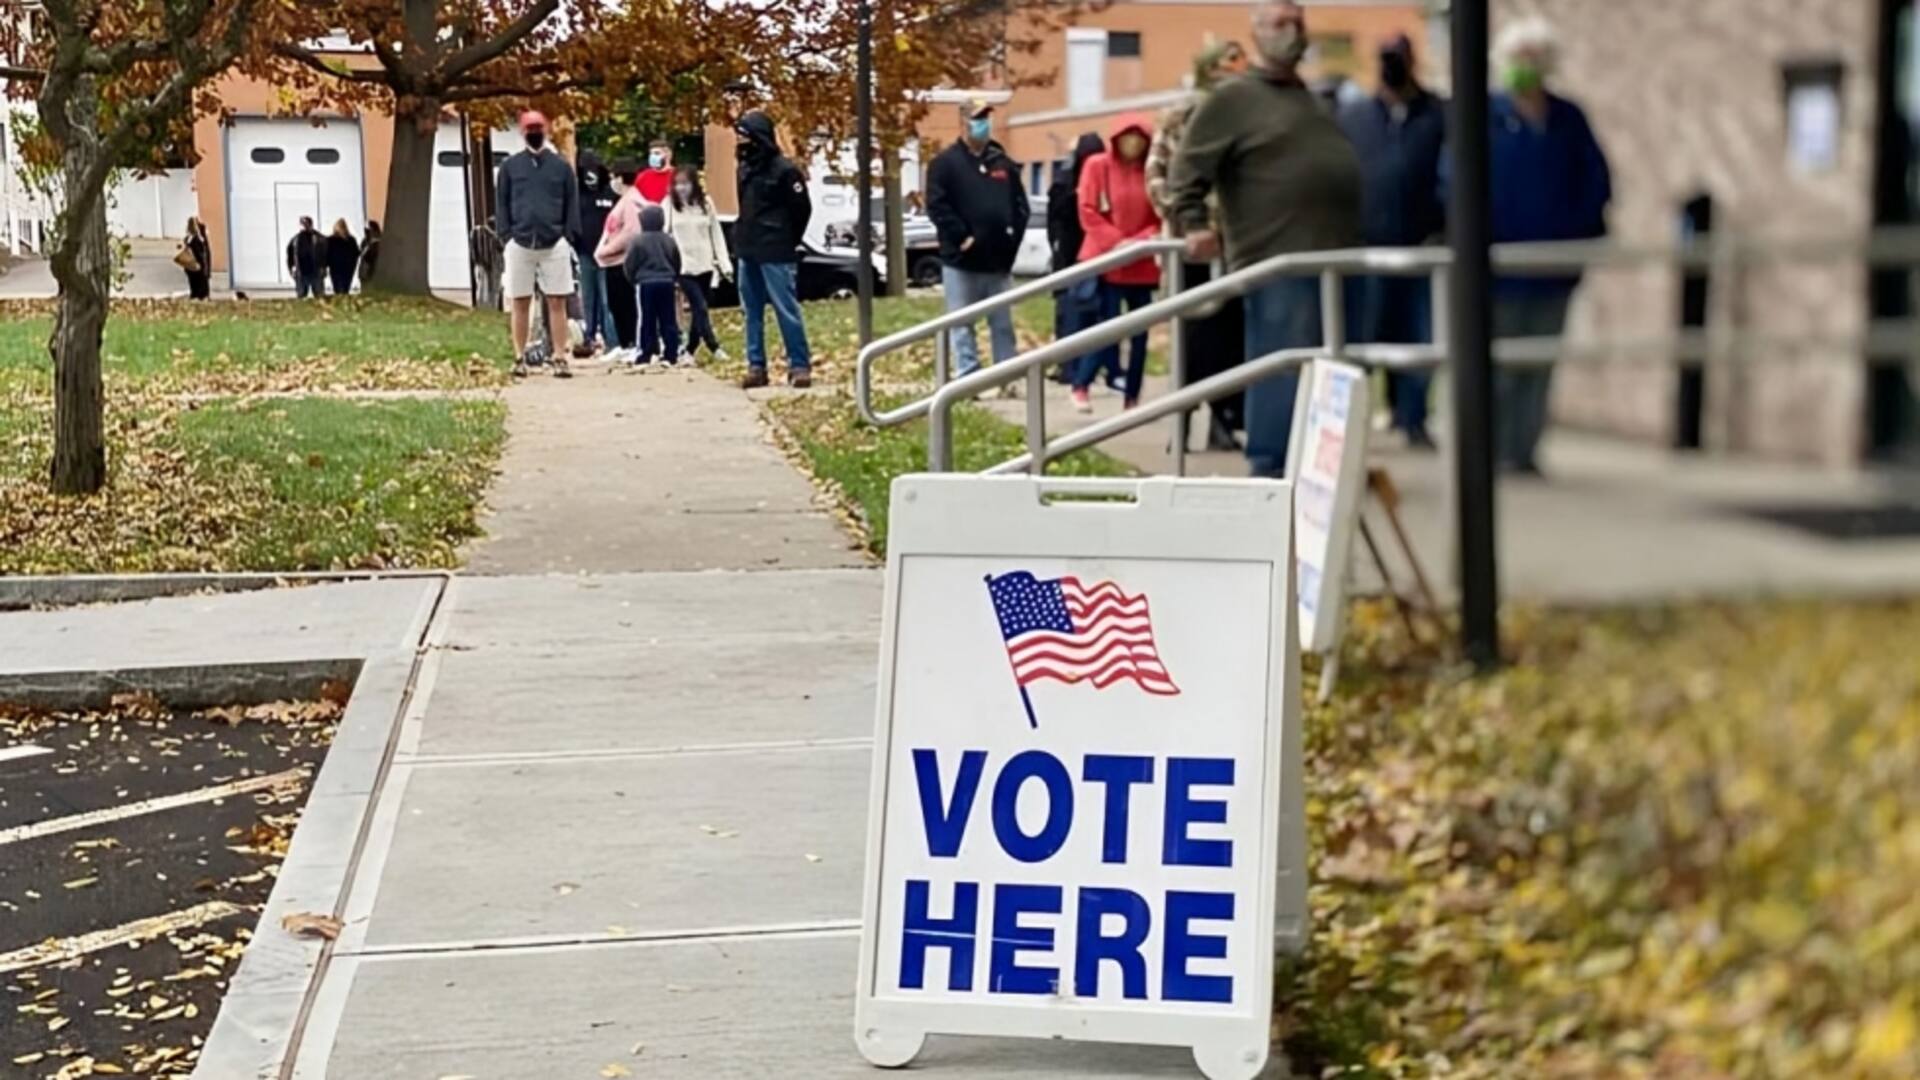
(923, 247)
(823, 275)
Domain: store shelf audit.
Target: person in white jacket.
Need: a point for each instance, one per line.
(695, 226)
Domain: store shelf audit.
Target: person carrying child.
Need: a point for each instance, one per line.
(653, 265)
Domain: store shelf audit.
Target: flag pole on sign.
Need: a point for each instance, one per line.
(1026, 699)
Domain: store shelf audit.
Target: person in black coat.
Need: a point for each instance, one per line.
(597, 199)
(1074, 309)
(343, 257)
(200, 267)
(980, 210)
(774, 210)
(1400, 135)
(306, 261)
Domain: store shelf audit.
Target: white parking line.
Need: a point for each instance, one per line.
(15, 753)
(146, 929)
(151, 806)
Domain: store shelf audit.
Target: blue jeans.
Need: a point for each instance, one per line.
(1076, 309)
(309, 283)
(659, 321)
(965, 287)
(1283, 314)
(762, 284)
(596, 309)
(1520, 395)
(1395, 311)
(1112, 299)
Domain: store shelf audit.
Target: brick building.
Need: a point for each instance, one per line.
(1788, 118)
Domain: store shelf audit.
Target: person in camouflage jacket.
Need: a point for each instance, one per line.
(1213, 63)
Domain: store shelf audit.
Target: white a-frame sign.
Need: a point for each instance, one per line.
(1327, 465)
(1087, 819)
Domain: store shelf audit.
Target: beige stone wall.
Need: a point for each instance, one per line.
(1687, 96)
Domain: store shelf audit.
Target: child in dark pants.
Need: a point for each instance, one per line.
(653, 265)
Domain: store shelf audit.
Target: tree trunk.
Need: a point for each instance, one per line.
(405, 254)
(896, 223)
(84, 270)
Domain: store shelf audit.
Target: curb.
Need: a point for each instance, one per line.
(72, 590)
(201, 686)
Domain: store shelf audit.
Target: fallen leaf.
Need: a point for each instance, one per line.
(614, 1068)
(309, 924)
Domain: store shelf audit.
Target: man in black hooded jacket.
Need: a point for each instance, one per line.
(597, 199)
(1074, 309)
(774, 211)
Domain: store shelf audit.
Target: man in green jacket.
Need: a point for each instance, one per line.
(1286, 180)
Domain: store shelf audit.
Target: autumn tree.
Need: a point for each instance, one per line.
(116, 84)
(491, 57)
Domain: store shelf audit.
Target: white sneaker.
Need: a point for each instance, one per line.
(721, 355)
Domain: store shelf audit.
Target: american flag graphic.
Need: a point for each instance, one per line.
(1069, 631)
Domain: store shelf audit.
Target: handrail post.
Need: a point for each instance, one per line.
(1441, 320)
(1176, 278)
(939, 436)
(1037, 419)
(1333, 313)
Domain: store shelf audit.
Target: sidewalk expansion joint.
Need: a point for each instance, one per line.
(825, 928)
(787, 746)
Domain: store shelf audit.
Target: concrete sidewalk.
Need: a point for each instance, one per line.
(1611, 521)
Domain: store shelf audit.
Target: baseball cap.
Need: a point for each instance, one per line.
(976, 108)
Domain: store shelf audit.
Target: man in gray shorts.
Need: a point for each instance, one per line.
(536, 207)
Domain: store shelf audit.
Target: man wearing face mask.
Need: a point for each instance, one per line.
(1550, 182)
(597, 200)
(979, 209)
(656, 180)
(1400, 135)
(1286, 180)
(536, 208)
(774, 211)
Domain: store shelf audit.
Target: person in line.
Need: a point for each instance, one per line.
(1550, 181)
(1286, 180)
(1115, 210)
(653, 265)
(979, 209)
(656, 180)
(774, 211)
(536, 208)
(695, 227)
(306, 260)
(196, 258)
(1214, 340)
(1076, 307)
(1400, 135)
(623, 224)
(597, 200)
(369, 254)
(343, 257)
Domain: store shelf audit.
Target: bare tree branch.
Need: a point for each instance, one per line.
(22, 74)
(303, 55)
(493, 48)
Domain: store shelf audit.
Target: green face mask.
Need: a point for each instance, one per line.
(1523, 78)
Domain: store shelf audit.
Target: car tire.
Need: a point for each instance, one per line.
(926, 271)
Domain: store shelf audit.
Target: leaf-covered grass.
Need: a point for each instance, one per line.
(266, 484)
(1674, 843)
(378, 343)
(858, 462)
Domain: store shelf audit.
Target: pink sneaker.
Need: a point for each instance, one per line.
(1081, 402)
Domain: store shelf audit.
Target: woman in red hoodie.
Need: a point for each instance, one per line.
(1114, 210)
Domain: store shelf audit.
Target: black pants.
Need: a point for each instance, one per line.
(626, 308)
(659, 321)
(699, 320)
(1215, 344)
(198, 284)
(342, 281)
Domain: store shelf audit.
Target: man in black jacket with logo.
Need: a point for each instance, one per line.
(306, 261)
(774, 211)
(979, 208)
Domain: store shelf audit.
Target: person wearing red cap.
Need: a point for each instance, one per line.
(536, 209)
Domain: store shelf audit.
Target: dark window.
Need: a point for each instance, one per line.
(453, 159)
(1123, 44)
(267, 155)
(323, 155)
(500, 158)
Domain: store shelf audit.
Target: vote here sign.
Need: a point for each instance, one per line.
(1077, 808)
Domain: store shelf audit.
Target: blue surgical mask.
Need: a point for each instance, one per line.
(979, 128)
(657, 159)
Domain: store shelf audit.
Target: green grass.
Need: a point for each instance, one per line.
(358, 343)
(859, 462)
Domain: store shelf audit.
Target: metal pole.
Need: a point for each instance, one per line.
(941, 367)
(863, 151)
(1177, 356)
(1333, 313)
(1470, 216)
(1037, 419)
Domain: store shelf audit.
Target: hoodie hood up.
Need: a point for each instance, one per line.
(757, 127)
(652, 219)
(1088, 145)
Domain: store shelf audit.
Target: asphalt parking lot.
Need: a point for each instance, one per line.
(137, 847)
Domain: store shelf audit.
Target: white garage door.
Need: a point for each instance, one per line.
(279, 171)
(449, 216)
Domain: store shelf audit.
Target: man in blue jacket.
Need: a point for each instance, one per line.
(1401, 137)
(1550, 182)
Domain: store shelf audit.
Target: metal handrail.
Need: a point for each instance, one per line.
(937, 328)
